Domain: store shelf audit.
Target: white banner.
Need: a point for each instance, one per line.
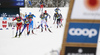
(86, 9)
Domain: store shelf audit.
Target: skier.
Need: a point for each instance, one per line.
(42, 16)
(26, 24)
(46, 16)
(30, 16)
(19, 23)
(42, 4)
(57, 9)
(30, 3)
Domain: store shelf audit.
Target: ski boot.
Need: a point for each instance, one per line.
(41, 29)
(49, 30)
(45, 29)
(57, 26)
(16, 35)
(60, 26)
(20, 34)
(32, 32)
(28, 33)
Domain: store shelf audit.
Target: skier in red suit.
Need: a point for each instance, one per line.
(42, 4)
(19, 23)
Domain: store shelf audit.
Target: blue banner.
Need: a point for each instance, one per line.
(12, 3)
(83, 32)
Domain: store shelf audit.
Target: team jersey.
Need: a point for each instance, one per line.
(42, 17)
(26, 21)
(58, 16)
(46, 15)
(18, 19)
(31, 17)
(55, 15)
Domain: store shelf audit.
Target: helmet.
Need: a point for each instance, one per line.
(17, 15)
(30, 13)
(45, 11)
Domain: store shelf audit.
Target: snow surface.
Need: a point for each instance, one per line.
(40, 43)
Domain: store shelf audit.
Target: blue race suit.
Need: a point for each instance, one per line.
(31, 21)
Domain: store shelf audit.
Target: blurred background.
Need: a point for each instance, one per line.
(48, 3)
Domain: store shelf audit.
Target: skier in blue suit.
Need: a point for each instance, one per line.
(30, 2)
(30, 16)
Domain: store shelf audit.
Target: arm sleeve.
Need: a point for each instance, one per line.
(34, 16)
(14, 19)
(49, 15)
(59, 9)
(21, 18)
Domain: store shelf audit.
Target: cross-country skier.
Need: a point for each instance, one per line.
(30, 16)
(19, 23)
(57, 9)
(42, 4)
(42, 16)
(46, 16)
(26, 24)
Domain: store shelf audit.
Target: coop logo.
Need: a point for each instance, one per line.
(85, 32)
(80, 52)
